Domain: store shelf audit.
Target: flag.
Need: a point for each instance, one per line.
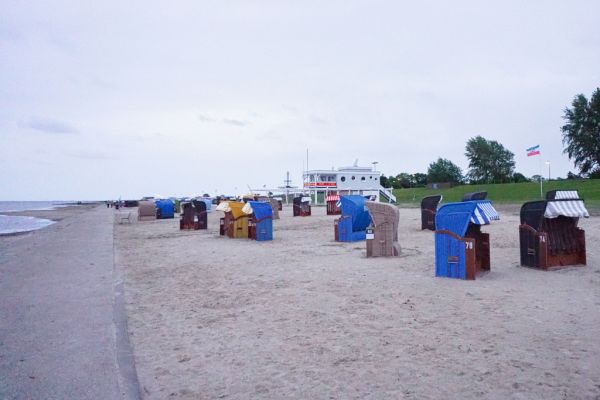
(533, 151)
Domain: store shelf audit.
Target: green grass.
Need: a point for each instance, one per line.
(508, 193)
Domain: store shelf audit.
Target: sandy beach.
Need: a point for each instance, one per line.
(305, 317)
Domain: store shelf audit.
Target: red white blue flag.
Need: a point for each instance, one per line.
(533, 151)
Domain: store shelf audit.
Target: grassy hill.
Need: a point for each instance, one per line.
(511, 193)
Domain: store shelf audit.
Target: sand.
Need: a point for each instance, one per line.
(304, 317)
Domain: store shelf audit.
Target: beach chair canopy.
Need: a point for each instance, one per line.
(562, 194)
(236, 208)
(456, 217)
(200, 205)
(260, 209)
(566, 208)
(223, 206)
(146, 208)
(474, 196)
(166, 208)
(431, 202)
(354, 206)
(383, 214)
(302, 199)
(533, 212)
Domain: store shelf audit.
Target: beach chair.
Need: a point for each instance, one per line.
(562, 194)
(351, 226)
(165, 209)
(200, 213)
(429, 207)
(301, 206)
(548, 234)
(235, 222)
(146, 210)
(260, 222)
(461, 250)
(474, 196)
(187, 220)
(382, 234)
(333, 207)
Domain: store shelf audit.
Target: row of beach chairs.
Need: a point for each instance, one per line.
(548, 232)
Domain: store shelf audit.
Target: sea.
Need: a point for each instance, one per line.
(11, 224)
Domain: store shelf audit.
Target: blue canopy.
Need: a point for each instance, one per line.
(456, 217)
(166, 208)
(261, 209)
(354, 206)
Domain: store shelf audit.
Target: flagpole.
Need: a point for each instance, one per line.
(541, 184)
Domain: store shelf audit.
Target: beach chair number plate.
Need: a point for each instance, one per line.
(370, 234)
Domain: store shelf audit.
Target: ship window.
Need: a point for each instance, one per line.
(353, 178)
(362, 178)
(343, 179)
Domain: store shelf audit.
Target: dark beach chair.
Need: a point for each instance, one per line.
(429, 207)
(474, 196)
(548, 234)
(301, 207)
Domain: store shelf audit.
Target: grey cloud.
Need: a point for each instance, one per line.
(318, 120)
(92, 155)
(227, 121)
(48, 125)
(235, 122)
(205, 118)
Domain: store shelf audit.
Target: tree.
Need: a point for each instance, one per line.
(581, 133)
(419, 179)
(519, 178)
(489, 161)
(444, 170)
(404, 180)
(537, 178)
(384, 181)
(572, 176)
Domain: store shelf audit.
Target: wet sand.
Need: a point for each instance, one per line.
(305, 317)
(62, 331)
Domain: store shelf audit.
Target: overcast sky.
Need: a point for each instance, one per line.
(111, 98)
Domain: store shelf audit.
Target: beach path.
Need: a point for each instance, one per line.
(62, 324)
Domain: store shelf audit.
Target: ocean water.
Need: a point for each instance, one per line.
(15, 206)
(10, 224)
